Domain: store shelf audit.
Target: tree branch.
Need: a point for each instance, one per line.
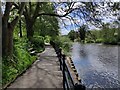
(53, 14)
(36, 10)
(14, 22)
(7, 10)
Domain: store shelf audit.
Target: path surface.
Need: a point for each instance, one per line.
(44, 73)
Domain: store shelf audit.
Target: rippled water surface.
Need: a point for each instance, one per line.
(97, 64)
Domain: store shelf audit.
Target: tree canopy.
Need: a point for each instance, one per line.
(91, 13)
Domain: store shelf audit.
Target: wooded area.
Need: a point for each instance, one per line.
(29, 25)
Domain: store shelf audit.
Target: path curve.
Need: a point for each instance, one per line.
(44, 73)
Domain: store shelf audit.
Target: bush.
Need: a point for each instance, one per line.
(88, 40)
(64, 43)
(98, 41)
(38, 43)
(56, 42)
(47, 39)
(112, 41)
(11, 67)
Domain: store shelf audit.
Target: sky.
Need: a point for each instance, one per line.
(107, 18)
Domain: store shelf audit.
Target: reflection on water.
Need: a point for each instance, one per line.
(96, 64)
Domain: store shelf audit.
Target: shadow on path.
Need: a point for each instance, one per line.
(44, 73)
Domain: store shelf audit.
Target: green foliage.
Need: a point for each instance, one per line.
(99, 40)
(47, 25)
(106, 35)
(8, 73)
(82, 32)
(64, 43)
(47, 39)
(89, 40)
(38, 43)
(20, 61)
(73, 35)
(16, 33)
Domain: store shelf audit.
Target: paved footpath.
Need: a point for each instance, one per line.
(44, 73)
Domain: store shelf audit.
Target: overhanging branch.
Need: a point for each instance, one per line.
(57, 15)
(13, 23)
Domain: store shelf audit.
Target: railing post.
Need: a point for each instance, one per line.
(64, 72)
(79, 87)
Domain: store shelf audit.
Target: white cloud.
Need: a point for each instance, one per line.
(64, 31)
(78, 4)
(61, 10)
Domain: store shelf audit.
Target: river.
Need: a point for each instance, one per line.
(97, 65)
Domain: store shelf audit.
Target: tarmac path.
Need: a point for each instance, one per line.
(44, 73)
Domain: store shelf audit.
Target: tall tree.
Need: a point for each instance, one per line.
(47, 25)
(82, 32)
(8, 27)
(30, 13)
(72, 35)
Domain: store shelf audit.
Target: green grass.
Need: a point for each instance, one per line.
(21, 60)
(16, 65)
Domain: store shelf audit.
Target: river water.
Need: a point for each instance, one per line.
(97, 65)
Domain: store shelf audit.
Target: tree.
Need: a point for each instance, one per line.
(47, 25)
(30, 14)
(38, 9)
(8, 27)
(82, 32)
(72, 35)
(87, 11)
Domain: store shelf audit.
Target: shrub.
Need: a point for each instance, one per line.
(98, 41)
(11, 67)
(89, 40)
(47, 39)
(38, 43)
(64, 43)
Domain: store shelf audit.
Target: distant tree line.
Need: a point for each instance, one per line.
(107, 34)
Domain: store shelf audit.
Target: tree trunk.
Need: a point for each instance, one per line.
(7, 29)
(20, 28)
(29, 28)
(7, 39)
(4, 36)
(10, 41)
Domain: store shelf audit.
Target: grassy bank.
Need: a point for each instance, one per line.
(21, 60)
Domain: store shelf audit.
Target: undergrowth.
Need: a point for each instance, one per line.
(11, 67)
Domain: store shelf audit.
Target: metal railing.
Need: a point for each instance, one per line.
(68, 82)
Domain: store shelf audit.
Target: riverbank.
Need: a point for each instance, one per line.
(44, 73)
(106, 43)
(99, 43)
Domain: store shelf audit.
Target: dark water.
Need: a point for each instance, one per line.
(97, 64)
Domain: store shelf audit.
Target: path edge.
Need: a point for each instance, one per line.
(9, 83)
